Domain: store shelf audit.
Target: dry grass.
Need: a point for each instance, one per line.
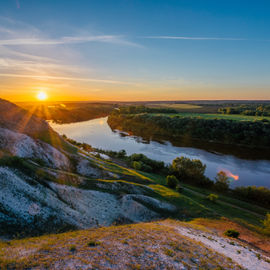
(141, 246)
(182, 106)
(221, 225)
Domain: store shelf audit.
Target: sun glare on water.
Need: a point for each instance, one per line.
(42, 96)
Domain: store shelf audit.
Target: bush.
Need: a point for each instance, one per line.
(148, 165)
(93, 243)
(212, 197)
(266, 224)
(136, 165)
(171, 181)
(72, 248)
(232, 233)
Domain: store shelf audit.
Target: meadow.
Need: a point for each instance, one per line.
(177, 106)
(234, 117)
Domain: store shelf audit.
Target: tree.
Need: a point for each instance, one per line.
(222, 181)
(171, 181)
(188, 169)
(122, 153)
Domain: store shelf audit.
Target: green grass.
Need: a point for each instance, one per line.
(228, 199)
(223, 209)
(197, 205)
(187, 207)
(176, 106)
(118, 169)
(235, 117)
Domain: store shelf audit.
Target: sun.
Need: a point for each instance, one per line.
(42, 96)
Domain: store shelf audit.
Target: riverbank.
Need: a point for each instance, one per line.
(98, 134)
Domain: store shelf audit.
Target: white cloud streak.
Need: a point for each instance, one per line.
(45, 77)
(193, 38)
(68, 40)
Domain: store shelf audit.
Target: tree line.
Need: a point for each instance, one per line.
(253, 110)
(245, 133)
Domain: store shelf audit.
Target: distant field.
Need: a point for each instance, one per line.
(235, 117)
(176, 106)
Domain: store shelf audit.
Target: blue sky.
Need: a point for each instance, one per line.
(135, 50)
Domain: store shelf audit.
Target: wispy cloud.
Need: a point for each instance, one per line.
(18, 33)
(193, 38)
(68, 40)
(45, 77)
(20, 62)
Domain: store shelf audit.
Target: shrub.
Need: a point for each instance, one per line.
(232, 233)
(136, 165)
(212, 197)
(266, 224)
(93, 243)
(72, 248)
(148, 165)
(171, 181)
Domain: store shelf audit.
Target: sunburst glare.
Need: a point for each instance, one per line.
(42, 96)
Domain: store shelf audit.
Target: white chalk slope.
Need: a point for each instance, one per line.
(25, 201)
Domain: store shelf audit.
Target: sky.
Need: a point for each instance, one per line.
(132, 50)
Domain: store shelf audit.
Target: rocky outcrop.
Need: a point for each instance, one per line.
(21, 145)
(85, 168)
(31, 206)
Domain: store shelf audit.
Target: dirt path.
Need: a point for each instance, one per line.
(246, 256)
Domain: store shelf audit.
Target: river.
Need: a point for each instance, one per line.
(97, 133)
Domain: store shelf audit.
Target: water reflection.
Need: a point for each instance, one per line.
(98, 134)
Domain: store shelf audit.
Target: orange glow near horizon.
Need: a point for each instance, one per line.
(28, 91)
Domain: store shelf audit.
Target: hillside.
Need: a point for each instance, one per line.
(68, 112)
(158, 245)
(17, 119)
(48, 189)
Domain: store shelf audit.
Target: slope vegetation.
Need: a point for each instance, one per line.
(157, 245)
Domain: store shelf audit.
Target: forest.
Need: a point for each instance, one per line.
(247, 109)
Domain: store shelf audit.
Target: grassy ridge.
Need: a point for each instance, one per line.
(156, 245)
(193, 201)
